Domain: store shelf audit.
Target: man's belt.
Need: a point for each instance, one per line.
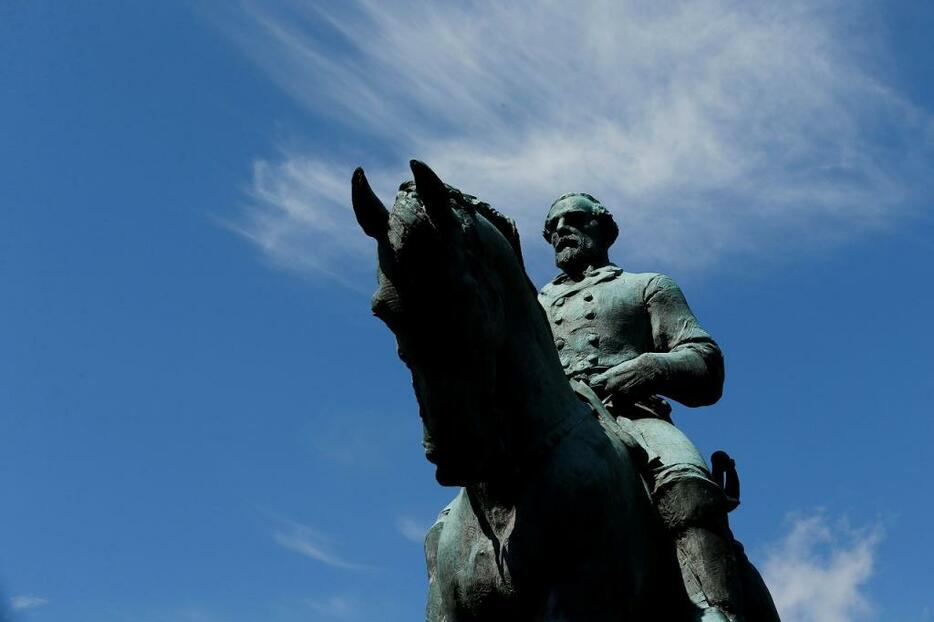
(651, 407)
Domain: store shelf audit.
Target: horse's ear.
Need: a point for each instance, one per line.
(369, 210)
(432, 191)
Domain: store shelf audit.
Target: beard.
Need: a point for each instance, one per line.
(574, 254)
(569, 259)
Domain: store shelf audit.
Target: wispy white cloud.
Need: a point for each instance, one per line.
(313, 544)
(27, 601)
(410, 529)
(711, 128)
(299, 216)
(819, 572)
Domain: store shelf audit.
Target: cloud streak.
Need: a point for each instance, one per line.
(713, 128)
(410, 529)
(27, 601)
(818, 573)
(313, 544)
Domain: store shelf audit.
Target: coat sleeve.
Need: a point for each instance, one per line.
(689, 360)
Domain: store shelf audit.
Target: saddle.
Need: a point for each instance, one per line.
(723, 467)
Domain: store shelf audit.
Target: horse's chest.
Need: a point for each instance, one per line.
(476, 572)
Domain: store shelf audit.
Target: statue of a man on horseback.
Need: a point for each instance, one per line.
(631, 338)
(568, 509)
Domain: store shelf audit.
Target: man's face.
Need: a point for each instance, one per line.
(576, 235)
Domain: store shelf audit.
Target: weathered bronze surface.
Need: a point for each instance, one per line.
(631, 338)
(579, 499)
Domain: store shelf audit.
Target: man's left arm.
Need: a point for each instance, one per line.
(687, 364)
(690, 361)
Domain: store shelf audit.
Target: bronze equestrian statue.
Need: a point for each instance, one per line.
(555, 519)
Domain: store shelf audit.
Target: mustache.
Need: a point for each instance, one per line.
(568, 241)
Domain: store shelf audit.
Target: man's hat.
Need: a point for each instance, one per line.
(580, 202)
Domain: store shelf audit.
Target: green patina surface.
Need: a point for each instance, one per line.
(581, 503)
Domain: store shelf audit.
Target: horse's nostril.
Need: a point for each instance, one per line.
(403, 357)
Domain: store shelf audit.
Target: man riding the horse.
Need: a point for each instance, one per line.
(632, 339)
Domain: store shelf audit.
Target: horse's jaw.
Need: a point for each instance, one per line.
(463, 459)
(452, 477)
(457, 473)
(462, 466)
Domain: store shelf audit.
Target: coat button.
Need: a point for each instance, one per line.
(558, 319)
(590, 314)
(565, 363)
(559, 343)
(588, 297)
(593, 339)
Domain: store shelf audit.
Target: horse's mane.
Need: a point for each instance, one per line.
(503, 224)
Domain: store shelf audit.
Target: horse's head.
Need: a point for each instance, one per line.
(446, 263)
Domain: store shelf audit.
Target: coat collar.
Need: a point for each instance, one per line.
(562, 285)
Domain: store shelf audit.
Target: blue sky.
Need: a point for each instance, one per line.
(200, 419)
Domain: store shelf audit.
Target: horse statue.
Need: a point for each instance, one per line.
(553, 521)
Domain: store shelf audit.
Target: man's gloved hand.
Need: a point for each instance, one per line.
(631, 380)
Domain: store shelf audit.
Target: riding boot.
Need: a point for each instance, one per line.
(710, 574)
(694, 510)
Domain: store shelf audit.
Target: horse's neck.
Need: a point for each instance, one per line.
(537, 406)
(533, 388)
